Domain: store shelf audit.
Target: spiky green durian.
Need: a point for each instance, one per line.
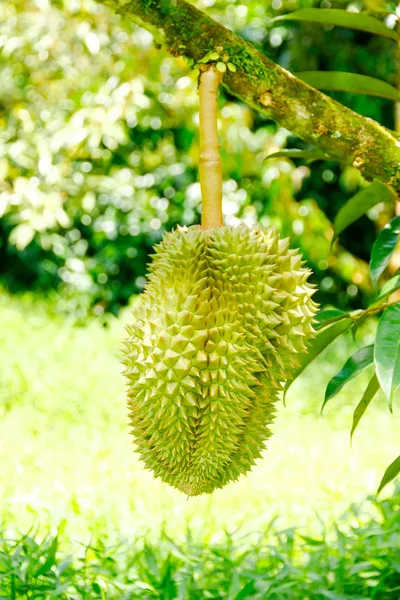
(224, 316)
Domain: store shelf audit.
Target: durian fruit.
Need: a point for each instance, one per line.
(224, 316)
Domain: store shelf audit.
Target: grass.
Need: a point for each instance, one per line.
(66, 454)
(358, 560)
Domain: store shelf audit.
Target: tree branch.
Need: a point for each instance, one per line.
(259, 82)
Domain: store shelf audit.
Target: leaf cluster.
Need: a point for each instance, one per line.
(383, 355)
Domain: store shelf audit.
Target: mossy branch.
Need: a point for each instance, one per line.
(341, 133)
(210, 166)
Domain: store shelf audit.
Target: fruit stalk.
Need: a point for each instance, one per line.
(210, 166)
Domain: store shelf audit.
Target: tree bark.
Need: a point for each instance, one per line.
(341, 133)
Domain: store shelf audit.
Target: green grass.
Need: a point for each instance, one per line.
(357, 560)
(66, 454)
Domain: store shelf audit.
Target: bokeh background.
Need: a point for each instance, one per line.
(99, 148)
(98, 157)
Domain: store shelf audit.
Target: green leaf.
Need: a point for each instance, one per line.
(312, 541)
(339, 81)
(321, 341)
(359, 204)
(247, 589)
(339, 17)
(329, 316)
(208, 57)
(391, 472)
(387, 290)
(362, 406)
(333, 595)
(383, 248)
(355, 365)
(389, 287)
(387, 351)
(50, 559)
(311, 154)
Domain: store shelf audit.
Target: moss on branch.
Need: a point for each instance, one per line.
(341, 133)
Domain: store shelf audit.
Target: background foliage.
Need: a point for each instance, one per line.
(99, 145)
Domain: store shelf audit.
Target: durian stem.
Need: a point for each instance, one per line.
(210, 166)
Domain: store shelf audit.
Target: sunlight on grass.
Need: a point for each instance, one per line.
(66, 451)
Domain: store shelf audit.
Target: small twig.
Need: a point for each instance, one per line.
(210, 166)
(371, 310)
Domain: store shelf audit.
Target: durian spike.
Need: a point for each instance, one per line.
(210, 166)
